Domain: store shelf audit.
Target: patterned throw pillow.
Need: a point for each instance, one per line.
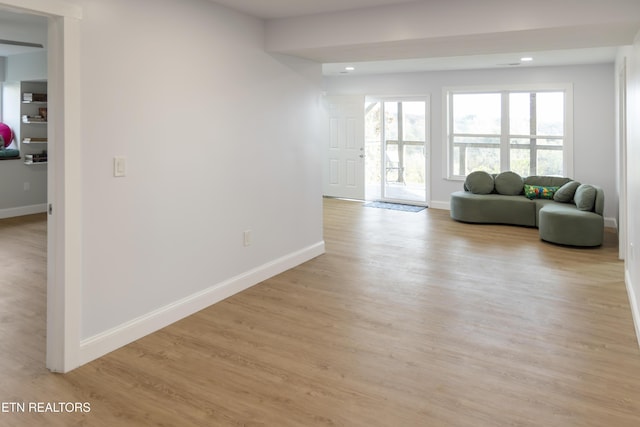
(539, 192)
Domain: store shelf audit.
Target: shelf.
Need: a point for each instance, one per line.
(29, 119)
(34, 97)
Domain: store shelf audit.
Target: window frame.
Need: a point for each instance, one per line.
(505, 137)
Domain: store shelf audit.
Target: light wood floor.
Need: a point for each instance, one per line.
(409, 319)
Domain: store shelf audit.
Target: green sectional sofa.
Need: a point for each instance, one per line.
(565, 212)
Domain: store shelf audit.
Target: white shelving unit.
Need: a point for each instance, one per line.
(33, 121)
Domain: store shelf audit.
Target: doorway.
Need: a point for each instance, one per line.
(397, 150)
(63, 179)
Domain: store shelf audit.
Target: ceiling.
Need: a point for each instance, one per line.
(273, 9)
(600, 55)
(598, 46)
(335, 62)
(10, 19)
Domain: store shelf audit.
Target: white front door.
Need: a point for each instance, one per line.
(344, 164)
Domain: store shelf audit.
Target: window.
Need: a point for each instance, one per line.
(524, 130)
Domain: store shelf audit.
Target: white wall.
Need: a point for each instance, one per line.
(594, 129)
(219, 137)
(632, 260)
(25, 187)
(15, 27)
(27, 66)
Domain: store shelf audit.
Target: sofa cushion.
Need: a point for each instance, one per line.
(9, 152)
(509, 183)
(479, 182)
(539, 191)
(585, 197)
(546, 181)
(598, 205)
(566, 192)
(564, 224)
(493, 209)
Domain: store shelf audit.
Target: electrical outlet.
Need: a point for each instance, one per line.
(27, 186)
(246, 236)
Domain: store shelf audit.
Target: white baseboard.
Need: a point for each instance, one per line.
(610, 222)
(23, 210)
(105, 342)
(436, 204)
(634, 303)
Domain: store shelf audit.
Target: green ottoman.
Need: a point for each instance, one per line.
(566, 225)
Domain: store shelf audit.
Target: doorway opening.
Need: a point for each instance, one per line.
(63, 179)
(397, 150)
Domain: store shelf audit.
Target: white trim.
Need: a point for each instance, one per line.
(610, 222)
(56, 247)
(64, 177)
(535, 87)
(103, 343)
(621, 134)
(68, 194)
(440, 205)
(48, 7)
(505, 134)
(447, 115)
(567, 145)
(633, 302)
(23, 210)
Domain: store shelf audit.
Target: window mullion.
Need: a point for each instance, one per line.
(505, 158)
(533, 125)
(449, 124)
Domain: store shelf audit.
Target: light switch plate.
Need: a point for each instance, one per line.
(119, 166)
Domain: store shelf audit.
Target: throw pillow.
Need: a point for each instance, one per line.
(479, 182)
(585, 197)
(509, 183)
(566, 192)
(539, 191)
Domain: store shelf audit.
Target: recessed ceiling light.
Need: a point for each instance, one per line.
(349, 68)
(526, 59)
